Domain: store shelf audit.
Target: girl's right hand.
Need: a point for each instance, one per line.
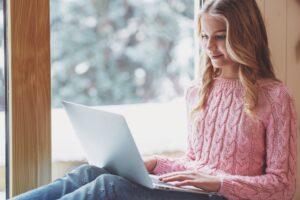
(150, 163)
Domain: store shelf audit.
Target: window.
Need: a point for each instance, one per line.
(134, 57)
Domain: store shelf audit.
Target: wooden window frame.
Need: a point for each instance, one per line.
(29, 97)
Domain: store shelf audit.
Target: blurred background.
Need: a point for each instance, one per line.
(120, 52)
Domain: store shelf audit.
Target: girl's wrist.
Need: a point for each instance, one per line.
(150, 163)
(218, 183)
(154, 159)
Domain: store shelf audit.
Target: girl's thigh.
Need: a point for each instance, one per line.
(108, 186)
(124, 189)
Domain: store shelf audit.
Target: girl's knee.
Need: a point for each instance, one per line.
(83, 167)
(112, 181)
(88, 169)
(85, 173)
(109, 178)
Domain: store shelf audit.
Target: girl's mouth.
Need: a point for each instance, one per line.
(216, 56)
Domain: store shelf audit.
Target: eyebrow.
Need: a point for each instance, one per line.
(221, 30)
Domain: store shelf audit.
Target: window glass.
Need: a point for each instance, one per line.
(134, 57)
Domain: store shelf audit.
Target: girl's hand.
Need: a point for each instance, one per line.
(150, 163)
(193, 178)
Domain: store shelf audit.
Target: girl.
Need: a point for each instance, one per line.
(241, 121)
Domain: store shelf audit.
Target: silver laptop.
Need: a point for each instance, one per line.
(107, 142)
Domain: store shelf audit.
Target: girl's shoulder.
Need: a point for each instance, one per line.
(274, 89)
(193, 89)
(274, 97)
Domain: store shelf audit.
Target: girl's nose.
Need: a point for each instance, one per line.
(211, 45)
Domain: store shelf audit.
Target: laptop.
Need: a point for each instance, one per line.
(107, 143)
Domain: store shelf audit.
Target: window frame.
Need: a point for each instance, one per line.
(28, 106)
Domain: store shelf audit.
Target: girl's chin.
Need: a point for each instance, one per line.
(218, 66)
(218, 62)
(221, 64)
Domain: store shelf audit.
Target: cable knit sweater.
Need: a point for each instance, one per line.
(255, 158)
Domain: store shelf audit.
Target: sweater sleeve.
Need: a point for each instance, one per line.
(167, 165)
(279, 180)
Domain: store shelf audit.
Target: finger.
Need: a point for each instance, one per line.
(177, 178)
(175, 174)
(192, 183)
(188, 183)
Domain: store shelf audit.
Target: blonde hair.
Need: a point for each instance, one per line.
(246, 44)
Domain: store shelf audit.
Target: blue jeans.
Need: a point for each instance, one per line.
(90, 182)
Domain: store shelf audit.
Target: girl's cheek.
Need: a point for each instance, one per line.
(204, 46)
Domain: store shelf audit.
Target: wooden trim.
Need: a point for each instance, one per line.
(293, 66)
(29, 96)
(275, 17)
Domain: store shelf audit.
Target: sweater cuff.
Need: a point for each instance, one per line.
(162, 166)
(225, 187)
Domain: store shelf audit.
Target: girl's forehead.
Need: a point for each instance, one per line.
(212, 24)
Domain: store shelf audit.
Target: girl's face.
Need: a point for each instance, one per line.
(214, 42)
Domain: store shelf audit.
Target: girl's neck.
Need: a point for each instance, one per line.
(230, 73)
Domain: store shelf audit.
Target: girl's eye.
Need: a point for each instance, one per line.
(204, 36)
(220, 37)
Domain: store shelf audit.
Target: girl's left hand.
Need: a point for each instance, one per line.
(193, 178)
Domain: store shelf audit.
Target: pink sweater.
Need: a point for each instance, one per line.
(256, 159)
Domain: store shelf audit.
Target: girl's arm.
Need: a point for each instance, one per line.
(279, 180)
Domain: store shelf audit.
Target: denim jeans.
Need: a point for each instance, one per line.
(90, 182)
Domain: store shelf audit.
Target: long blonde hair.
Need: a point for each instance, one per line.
(246, 44)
